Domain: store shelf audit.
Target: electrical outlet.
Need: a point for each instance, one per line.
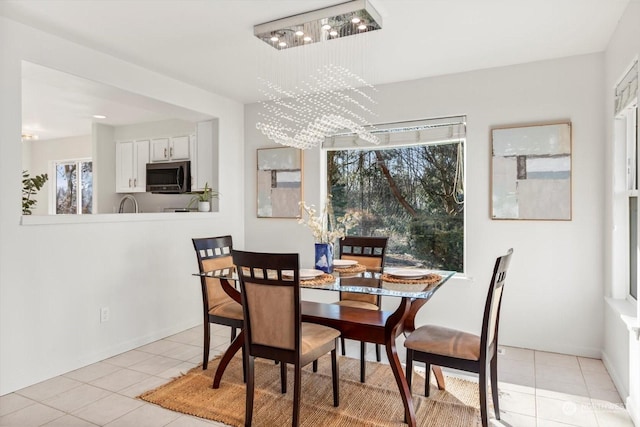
(104, 314)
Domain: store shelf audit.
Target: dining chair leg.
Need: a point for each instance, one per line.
(378, 356)
(244, 365)
(409, 371)
(233, 334)
(483, 397)
(427, 379)
(335, 372)
(315, 365)
(297, 384)
(283, 377)
(342, 346)
(248, 414)
(205, 345)
(494, 385)
(363, 365)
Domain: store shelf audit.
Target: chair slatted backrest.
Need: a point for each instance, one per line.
(491, 320)
(214, 253)
(270, 289)
(369, 252)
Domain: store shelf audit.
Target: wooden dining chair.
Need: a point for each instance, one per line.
(214, 253)
(441, 346)
(273, 327)
(369, 252)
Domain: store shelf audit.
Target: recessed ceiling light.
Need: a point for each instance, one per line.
(299, 33)
(355, 20)
(282, 44)
(362, 27)
(333, 33)
(307, 39)
(326, 27)
(274, 39)
(99, 116)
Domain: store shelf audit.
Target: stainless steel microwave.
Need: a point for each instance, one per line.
(169, 177)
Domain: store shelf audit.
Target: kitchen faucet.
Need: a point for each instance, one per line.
(124, 199)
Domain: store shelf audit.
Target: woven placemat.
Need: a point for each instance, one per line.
(352, 269)
(320, 280)
(429, 279)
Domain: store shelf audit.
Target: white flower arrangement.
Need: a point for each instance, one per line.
(325, 227)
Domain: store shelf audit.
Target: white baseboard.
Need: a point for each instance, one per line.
(634, 411)
(138, 342)
(88, 359)
(615, 377)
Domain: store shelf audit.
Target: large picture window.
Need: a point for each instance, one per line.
(412, 193)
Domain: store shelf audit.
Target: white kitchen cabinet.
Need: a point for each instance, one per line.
(131, 166)
(168, 149)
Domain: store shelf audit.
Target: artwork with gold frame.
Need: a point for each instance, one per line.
(279, 182)
(531, 172)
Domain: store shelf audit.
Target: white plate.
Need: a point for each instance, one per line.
(309, 273)
(408, 273)
(344, 262)
(304, 274)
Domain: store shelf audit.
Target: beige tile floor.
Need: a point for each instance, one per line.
(537, 389)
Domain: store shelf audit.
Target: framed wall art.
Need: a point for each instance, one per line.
(279, 182)
(531, 172)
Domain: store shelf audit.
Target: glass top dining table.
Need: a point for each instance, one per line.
(379, 327)
(367, 282)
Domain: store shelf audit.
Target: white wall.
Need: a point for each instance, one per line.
(553, 300)
(621, 351)
(55, 277)
(44, 152)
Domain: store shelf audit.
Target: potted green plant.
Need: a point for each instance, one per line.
(30, 186)
(203, 198)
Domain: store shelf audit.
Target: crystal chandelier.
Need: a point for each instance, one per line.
(342, 20)
(316, 94)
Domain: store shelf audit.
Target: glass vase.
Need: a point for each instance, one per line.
(324, 257)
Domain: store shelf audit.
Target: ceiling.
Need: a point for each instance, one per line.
(210, 43)
(58, 105)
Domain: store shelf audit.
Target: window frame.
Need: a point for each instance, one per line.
(462, 139)
(53, 188)
(627, 134)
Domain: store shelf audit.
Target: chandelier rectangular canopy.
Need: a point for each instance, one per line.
(333, 22)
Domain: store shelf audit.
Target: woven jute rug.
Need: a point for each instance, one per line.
(376, 403)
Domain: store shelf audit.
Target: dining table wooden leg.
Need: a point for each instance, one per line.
(236, 345)
(390, 334)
